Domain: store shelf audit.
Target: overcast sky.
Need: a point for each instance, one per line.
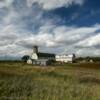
(56, 26)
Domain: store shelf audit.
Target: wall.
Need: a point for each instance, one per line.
(64, 58)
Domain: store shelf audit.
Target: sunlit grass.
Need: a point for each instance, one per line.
(19, 81)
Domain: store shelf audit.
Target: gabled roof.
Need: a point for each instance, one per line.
(45, 55)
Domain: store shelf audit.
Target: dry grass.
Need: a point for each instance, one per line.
(19, 81)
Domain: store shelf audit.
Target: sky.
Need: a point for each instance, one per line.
(56, 26)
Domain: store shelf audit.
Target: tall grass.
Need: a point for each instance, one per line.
(19, 81)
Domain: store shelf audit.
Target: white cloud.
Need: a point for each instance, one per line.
(16, 39)
(93, 41)
(52, 4)
(5, 3)
(88, 52)
(49, 36)
(61, 36)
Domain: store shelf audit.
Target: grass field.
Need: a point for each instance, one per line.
(19, 81)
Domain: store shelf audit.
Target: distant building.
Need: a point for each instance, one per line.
(65, 58)
(29, 61)
(42, 62)
(91, 61)
(39, 58)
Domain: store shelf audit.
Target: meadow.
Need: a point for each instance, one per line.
(19, 81)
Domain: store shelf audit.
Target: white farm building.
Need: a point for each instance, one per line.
(40, 58)
(65, 58)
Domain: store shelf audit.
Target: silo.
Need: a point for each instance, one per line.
(35, 49)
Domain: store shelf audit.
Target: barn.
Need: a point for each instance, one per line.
(39, 58)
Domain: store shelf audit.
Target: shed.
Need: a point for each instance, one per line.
(29, 61)
(43, 62)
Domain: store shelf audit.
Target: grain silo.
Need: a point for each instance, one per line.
(35, 49)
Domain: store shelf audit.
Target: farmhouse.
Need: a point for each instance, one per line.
(65, 58)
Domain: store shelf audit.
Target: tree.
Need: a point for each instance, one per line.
(25, 58)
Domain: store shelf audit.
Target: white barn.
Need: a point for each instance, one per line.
(65, 58)
(40, 58)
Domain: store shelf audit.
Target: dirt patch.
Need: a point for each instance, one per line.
(89, 80)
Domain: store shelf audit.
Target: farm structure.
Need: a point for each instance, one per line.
(65, 58)
(39, 58)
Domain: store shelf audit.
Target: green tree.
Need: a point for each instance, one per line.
(25, 58)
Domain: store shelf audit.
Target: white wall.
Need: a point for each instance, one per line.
(34, 56)
(29, 61)
(64, 58)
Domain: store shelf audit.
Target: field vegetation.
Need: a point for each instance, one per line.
(19, 81)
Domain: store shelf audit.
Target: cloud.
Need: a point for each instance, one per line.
(93, 41)
(60, 38)
(64, 37)
(54, 38)
(88, 52)
(22, 28)
(53, 4)
(5, 3)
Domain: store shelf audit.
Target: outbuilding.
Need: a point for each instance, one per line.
(42, 62)
(65, 58)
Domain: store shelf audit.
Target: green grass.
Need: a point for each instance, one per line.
(19, 81)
